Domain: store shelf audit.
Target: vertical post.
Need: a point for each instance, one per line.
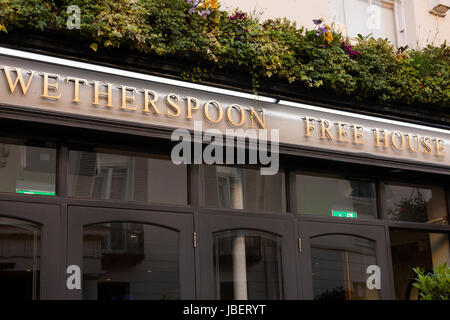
(239, 267)
(239, 254)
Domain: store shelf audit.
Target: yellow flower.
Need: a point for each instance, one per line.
(212, 4)
(328, 36)
(327, 26)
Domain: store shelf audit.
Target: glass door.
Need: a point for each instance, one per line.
(245, 258)
(30, 251)
(131, 254)
(343, 261)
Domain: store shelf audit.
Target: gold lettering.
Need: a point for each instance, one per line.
(254, 115)
(19, 78)
(378, 138)
(428, 148)
(309, 127)
(151, 102)
(342, 132)
(230, 120)
(107, 94)
(440, 147)
(358, 134)
(206, 111)
(326, 130)
(173, 105)
(76, 94)
(394, 145)
(53, 86)
(410, 144)
(190, 107)
(126, 98)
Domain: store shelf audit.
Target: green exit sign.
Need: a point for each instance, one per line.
(344, 214)
(41, 193)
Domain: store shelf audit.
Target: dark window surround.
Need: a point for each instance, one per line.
(136, 145)
(66, 136)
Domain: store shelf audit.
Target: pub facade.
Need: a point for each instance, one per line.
(92, 205)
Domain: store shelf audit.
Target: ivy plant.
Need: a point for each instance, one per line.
(370, 70)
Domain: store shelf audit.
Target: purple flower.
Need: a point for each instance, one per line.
(321, 30)
(193, 4)
(204, 13)
(237, 15)
(348, 49)
(317, 21)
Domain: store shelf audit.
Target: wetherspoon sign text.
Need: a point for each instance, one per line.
(96, 94)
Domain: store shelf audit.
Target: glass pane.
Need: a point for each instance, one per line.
(385, 26)
(335, 196)
(337, 11)
(247, 265)
(412, 249)
(130, 261)
(417, 204)
(339, 267)
(20, 252)
(96, 175)
(27, 169)
(243, 188)
(357, 17)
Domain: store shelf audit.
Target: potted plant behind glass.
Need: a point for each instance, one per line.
(433, 285)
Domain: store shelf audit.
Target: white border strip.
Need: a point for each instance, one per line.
(128, 74)
(361, 116)
(146, 77)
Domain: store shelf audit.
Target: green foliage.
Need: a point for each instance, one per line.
(435, 285)
(275, 49)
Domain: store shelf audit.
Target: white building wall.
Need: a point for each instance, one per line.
(422, 27)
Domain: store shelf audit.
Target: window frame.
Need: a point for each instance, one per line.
(399, 20)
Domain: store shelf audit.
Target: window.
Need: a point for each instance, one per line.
(416, 203)
(114, 176)
(376, 17)
(412, 249)
(20, 251)
(247, 265)
(336, 196)
(27, 169)
(339, 265)
(243, 188)
(130, 261)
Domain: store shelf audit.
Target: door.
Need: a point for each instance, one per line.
(131, 254)
(343, 261)
(245, 258)
(31, 259)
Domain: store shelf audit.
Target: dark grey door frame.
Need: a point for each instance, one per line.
(209, 223)
(309, 229)
(52, 271)
(79, 216)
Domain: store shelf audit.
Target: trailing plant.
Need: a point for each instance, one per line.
(370, 70)
(433, 285)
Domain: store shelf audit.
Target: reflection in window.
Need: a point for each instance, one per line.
(243, 188)
(20, 251)
(417, 204)
(27, 169)
(130, 261)
(412, 249)
(247, 265)
(339, 265)
(327, 196)
(124, 177)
